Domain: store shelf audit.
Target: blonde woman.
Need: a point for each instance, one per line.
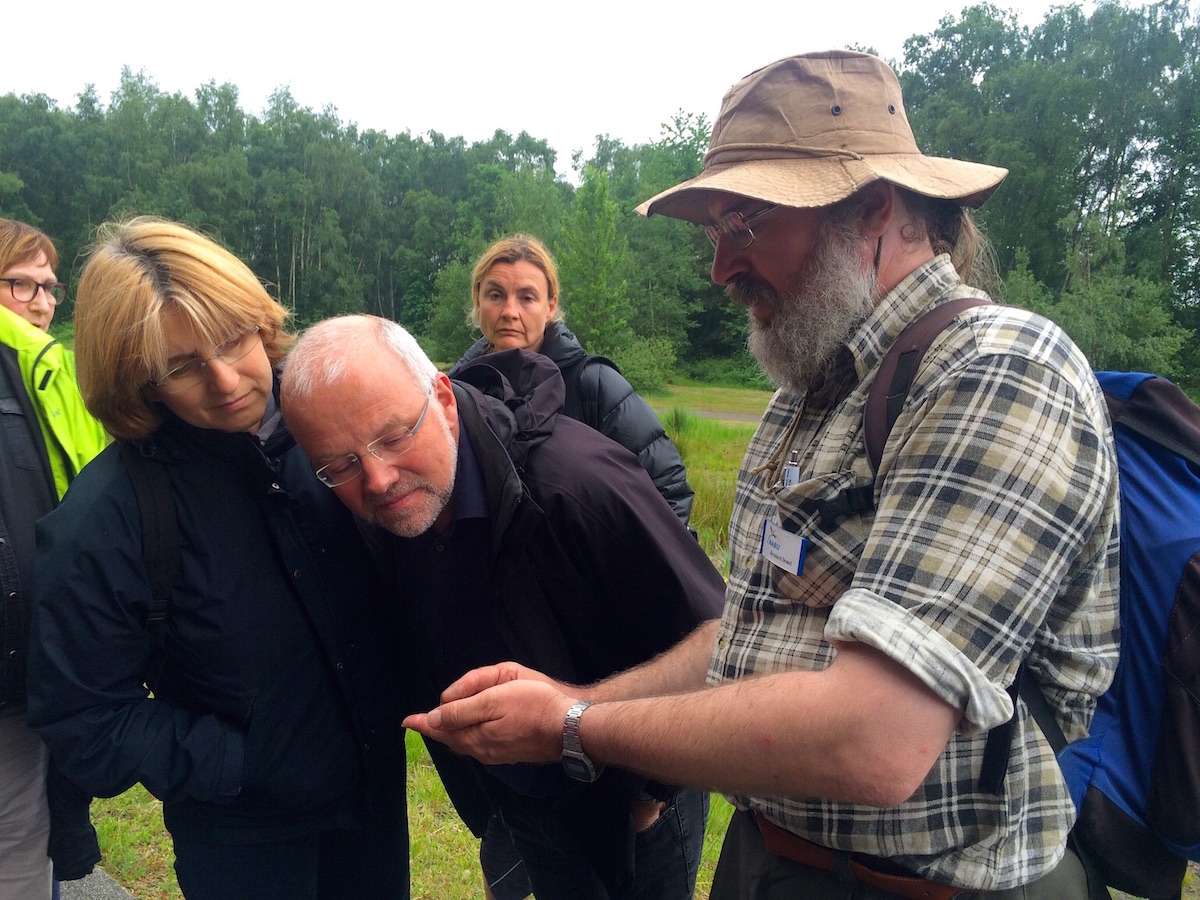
(515, 294)
(263, 718)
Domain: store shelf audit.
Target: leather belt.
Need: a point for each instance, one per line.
(791, 846)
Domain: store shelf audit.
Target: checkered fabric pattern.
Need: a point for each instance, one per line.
(994, 538)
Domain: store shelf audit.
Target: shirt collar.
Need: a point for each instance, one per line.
(470, 490)
(903, 305)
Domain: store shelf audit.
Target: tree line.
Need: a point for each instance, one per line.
(1096, 226)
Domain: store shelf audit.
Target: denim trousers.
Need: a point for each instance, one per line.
(666, 857)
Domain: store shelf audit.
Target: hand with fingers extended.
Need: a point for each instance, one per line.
(498, 716)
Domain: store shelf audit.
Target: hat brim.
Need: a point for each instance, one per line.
(824, 181)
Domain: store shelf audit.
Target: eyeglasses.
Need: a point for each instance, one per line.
(190, 372)
(23, 290)
(735, 228)
(385, 449)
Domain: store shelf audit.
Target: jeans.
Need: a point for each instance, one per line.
(666, 857)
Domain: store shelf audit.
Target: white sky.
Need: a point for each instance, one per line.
(563, 71)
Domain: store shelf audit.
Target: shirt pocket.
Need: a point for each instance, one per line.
(20, 434)
(832, 512)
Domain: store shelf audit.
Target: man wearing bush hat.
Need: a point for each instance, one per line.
(845, 699)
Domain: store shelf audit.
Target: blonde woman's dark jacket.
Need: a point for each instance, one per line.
(274, 714)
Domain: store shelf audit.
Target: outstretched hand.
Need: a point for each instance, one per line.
(499, 714)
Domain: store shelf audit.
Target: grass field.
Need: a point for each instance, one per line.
(137, 849)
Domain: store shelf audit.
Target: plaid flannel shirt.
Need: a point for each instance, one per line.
(994, 538)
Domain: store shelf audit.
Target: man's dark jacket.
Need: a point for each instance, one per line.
(598, 395)
(591, 573)
(274, 714)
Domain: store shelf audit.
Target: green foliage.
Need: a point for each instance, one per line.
(1121, 322)
(450, 331)
(1020, 288)
(63, 332)
(1093, 112)
(595, 303)
(647, 363)
(737, 370)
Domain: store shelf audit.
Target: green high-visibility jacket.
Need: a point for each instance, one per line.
(71, 435)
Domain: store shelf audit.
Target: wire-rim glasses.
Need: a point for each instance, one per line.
(23, 290)
(734, 227)
(386, 448)
(190, 372)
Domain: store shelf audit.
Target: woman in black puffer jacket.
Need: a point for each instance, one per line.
(515, 291)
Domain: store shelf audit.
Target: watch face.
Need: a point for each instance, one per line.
(579, 767)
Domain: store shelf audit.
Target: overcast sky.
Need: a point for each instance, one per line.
(563, 71)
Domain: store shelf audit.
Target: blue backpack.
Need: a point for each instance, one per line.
(1135, 779)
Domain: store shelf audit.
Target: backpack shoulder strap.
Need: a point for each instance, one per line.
(894, 379)
(885, 400)
(1159, 411)
(160, 538)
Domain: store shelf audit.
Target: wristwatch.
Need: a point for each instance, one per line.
(574, 760)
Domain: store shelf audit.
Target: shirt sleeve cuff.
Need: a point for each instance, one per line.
(866, 618)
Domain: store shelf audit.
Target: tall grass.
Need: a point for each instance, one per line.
(712, 450)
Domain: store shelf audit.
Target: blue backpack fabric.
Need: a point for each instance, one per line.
(1135, 779)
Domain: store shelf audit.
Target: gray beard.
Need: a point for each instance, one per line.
(826, 301)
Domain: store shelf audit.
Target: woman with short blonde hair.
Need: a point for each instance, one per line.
(138, 271)
(262, 711)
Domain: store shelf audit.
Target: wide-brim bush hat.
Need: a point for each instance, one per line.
(811, 130)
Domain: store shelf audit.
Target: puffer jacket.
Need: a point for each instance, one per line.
(600, 397)
(274, 714)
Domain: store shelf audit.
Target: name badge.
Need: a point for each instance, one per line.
(783, 548)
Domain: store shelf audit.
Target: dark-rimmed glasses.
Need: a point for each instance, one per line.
(190, 372)
(735, 228)
(385, 449)
(23, 290)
